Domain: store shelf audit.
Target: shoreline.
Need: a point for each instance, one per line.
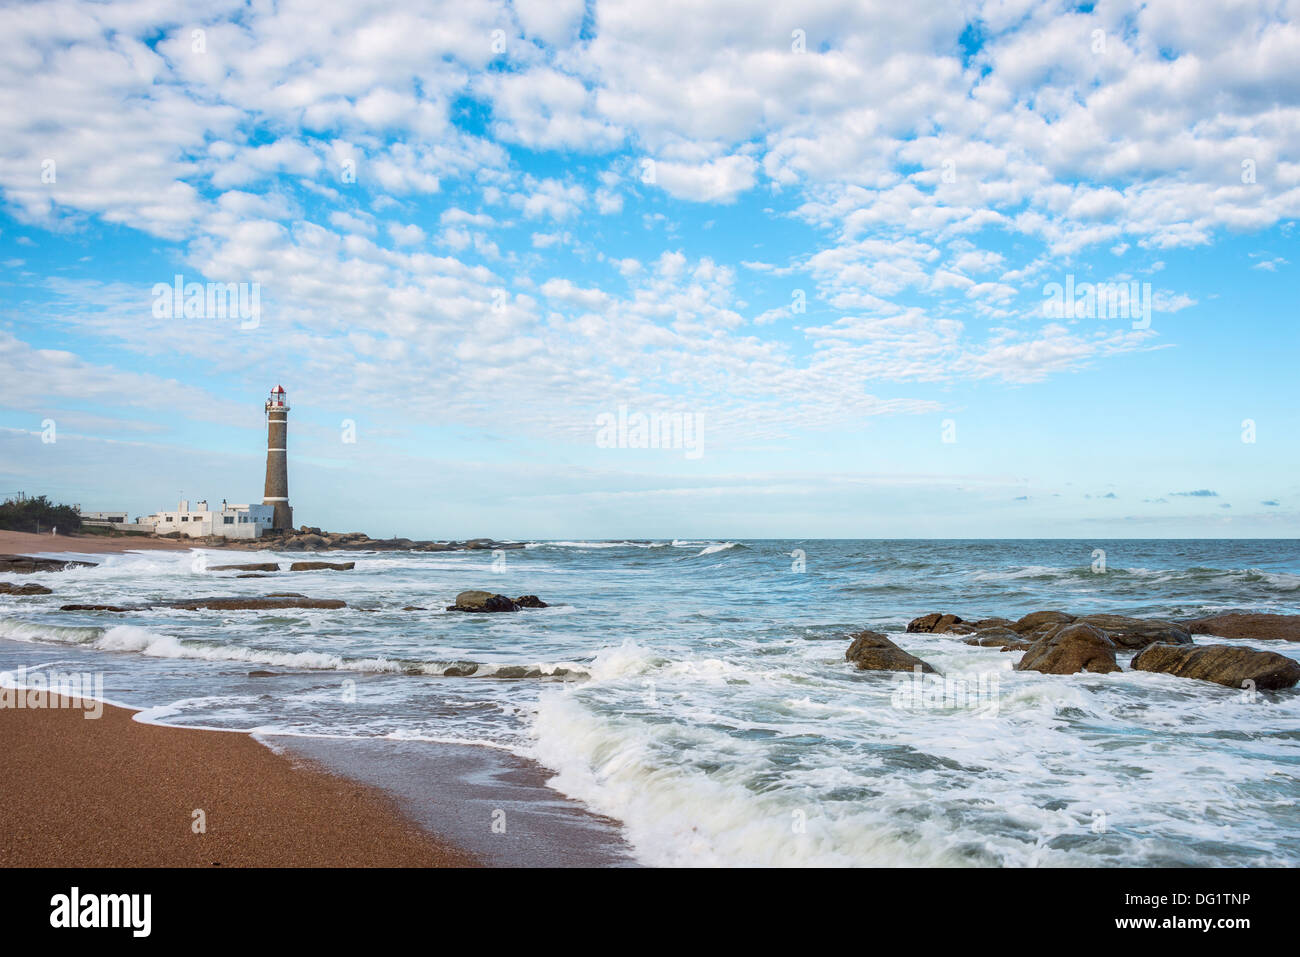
(116, 792)
(28, 543)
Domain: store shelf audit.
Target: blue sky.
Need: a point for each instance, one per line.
(477, 228)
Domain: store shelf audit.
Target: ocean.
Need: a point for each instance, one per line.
(697, 692)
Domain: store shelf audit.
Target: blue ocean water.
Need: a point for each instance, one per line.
(697, 690)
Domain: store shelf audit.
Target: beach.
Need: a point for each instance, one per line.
(113, 792)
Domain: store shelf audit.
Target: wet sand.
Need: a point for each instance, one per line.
(25, 543)
(113, 792)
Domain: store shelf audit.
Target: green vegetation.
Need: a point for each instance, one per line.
(38, 514)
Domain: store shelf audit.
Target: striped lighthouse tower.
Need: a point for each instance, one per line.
(277, 459)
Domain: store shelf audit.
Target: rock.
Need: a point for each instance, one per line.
(322, 566)
(1137, 633)
(413, 608)
(252, 575)
(461, 669)
(1040, 620)
(255, 604)
(992, 623)
(1248, 626)
(285, 594)
(530, 601)
(482, 601)
(29, 588)
(1072, 648)
(263, 674)
(26, 565)
(933, 623)
(100, 608)
(872, 651)
(997, 636)
(1223, 664)
(253, 567)
(517, 671)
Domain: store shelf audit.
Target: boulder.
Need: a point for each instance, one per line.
(992, 623)
(530, 601)
(1070, 649)
(482, 601)
(872, 651)
(1248, 626)
(461, 669)
(322, 566)
(252, 567)
(997, 636)
(28, 588)
(934, 623)
(1135, 633)
(1223, 664)
(100, 608)
(1038, 621)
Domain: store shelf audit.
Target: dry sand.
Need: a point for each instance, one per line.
(25, 543)
(112, 792)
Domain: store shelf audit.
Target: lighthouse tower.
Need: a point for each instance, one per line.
(277, 459)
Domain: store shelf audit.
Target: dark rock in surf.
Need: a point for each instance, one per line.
(26, 565)
(1037, 622)
(1070, 649)
(1135, 633)
(934, 623)
(995, 637)
(530, 601)
(1227, 665)
(482, 601)
(322, 566)
(250, 567)
(28, 588)
(872, 651)
(1248, 626)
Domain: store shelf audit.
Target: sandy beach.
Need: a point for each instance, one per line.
(113, 792)
(25, 543)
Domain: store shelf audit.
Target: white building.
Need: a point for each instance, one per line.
(115, 518)
(228, 521)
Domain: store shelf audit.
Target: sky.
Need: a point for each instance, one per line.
(820, 248)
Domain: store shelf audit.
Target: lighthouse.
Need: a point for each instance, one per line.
(277, 459)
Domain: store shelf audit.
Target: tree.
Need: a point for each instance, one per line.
(37, 514)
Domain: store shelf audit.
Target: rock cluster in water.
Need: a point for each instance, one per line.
(486, 601)
(1058, 643)
(311, 539)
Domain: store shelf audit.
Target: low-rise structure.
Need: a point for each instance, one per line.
(228, 521)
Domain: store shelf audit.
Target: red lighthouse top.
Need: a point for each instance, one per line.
(278, 399)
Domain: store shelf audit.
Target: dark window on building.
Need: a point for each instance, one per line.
(229, 520)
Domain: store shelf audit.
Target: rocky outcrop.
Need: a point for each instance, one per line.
(252, 567)
(311, 539)
(530, 601)
(1039, 622)
(997, 636)
(254, 604)
(1227, 665)
(28, 588)
(1070, 649)
(1135, 633)
(482, 601)
(322, 566)
(872, 651)
(26, 565)
(938, 623)
(102, 608)
(1251, 627)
